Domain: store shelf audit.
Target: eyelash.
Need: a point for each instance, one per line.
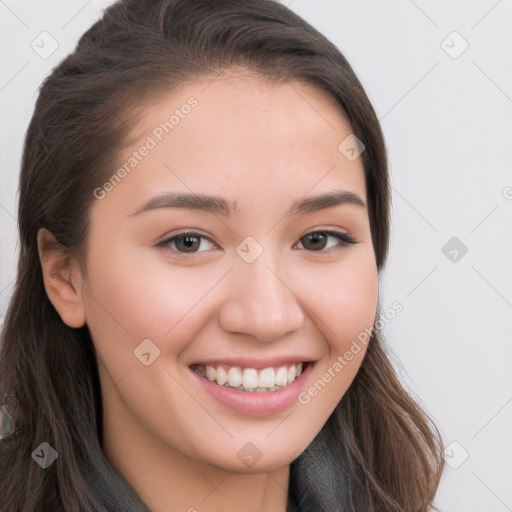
(342, 237)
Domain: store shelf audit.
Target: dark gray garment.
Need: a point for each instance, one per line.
(115, 493)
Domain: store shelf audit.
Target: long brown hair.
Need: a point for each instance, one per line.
(378, 451)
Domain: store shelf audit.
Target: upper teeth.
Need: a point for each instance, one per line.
(250, 379)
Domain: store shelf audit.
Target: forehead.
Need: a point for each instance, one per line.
(240, 133)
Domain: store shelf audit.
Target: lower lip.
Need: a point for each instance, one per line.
(253, 402)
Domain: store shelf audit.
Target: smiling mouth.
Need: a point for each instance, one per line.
(250, 379)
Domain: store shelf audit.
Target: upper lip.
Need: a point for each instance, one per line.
(258, 364)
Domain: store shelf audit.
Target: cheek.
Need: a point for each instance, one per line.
(344, 301)
(343, 297)
(353, 305)
(134, 297)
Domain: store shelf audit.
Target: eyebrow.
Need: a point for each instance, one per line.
(220, 206)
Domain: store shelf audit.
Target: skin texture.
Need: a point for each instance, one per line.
(263, 146)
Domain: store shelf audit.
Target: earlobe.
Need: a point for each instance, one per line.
(62, 279)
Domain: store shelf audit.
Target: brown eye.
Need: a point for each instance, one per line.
(317, 240)
(314, 241)
(185, 243)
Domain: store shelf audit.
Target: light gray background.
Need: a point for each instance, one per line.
(447, 122)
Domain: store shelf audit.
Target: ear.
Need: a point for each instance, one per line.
(62, 279)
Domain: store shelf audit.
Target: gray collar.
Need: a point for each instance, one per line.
(115, 493)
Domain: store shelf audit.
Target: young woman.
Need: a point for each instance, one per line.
(203, 214)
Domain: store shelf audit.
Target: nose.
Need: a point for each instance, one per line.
(260, 302)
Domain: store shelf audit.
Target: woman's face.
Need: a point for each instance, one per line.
(262, 283)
